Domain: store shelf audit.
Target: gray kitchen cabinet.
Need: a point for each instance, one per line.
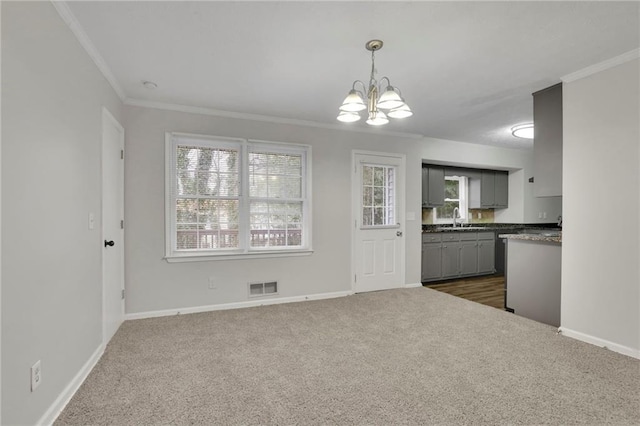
(487, 189)
(450, 259)
(490, 191)
(501, 193)
(431, 261)
(450, 254)
(547, 142)
(432, 186)
(468, 258)
(486, 253)
(454, 254)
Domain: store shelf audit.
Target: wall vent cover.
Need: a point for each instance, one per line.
(267, 288)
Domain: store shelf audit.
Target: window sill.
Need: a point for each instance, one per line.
(236, 256)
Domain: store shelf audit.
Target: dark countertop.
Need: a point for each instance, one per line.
(550, 237)
(508, 228)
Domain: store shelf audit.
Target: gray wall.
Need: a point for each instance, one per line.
(52, 95)
(601, 184)
(52, 99)
(152, 284)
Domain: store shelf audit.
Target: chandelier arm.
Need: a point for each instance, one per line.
(364, 87)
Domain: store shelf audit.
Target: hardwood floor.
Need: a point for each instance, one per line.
(488, 290)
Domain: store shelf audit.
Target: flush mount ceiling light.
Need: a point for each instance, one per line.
(149, 84)
(524, 131)
(372, 98)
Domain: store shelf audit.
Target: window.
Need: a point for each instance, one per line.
(378, 195)
(236, 197)
(455, 195)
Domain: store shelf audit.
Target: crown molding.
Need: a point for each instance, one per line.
(601, 66)
(263, 118)
(69, 18)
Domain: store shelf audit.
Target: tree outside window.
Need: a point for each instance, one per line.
(456, 194)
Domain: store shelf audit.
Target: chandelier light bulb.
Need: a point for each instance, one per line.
(353, 102)
(348, 117)
(402, 111)
(377, 118)
(390, 99)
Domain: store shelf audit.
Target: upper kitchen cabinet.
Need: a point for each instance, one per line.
(491, 191)
(487, 191)
(432, 186)
(547, 142)
(501, 195)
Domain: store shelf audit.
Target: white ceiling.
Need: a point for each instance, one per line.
(467, 69)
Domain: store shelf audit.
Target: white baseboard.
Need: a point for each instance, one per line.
(413, 285)
(615, 347)
(63, 399)
(235, 305)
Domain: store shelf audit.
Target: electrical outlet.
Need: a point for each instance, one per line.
(212, 283)
(544, 215)
(36, 375)
(479, 215)
(539, 215)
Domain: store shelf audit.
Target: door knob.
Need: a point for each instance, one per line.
(108, 243)
(399, 233)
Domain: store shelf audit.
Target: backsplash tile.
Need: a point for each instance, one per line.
(487, 216)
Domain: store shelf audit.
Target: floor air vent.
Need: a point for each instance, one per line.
(263, 289)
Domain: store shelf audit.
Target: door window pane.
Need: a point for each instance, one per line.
(378, 195)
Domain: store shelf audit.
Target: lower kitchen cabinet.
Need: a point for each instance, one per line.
(431, 264)
(468, 263)
(450, 259)
(457, 254)
(486, 256)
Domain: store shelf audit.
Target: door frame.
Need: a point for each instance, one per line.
(107, 117)
(355, 208)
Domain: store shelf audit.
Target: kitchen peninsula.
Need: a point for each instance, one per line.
(533, 275)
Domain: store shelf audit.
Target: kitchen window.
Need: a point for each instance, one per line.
(236, 198)
(456, 194)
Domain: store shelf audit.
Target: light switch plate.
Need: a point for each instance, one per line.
(36, 375)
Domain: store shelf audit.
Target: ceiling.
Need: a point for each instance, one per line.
(467, 69)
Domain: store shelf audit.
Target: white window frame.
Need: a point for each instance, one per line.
(463, 201)
(244, 146)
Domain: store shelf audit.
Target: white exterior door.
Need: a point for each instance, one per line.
(378, 221)
(112, 225)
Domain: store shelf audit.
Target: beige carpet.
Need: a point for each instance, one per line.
(398, 357)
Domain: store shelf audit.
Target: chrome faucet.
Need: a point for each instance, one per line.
(456, 215)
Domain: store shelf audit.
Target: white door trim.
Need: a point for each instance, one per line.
(355, 209)
(107, 117)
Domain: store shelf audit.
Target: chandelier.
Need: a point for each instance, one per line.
(390, 100)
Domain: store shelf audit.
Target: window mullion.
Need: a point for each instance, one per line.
(244, 227)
